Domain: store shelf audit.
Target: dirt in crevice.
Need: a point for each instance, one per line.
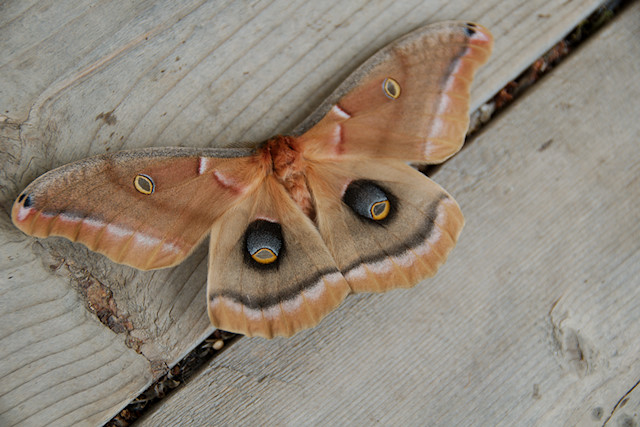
(175, 377)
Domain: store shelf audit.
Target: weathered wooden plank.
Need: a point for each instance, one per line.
(59, 363)
(82, 78)
(534, 320)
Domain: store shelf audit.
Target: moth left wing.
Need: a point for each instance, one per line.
(270, 273)
(146, 208)
(409, 101)
(386, 224)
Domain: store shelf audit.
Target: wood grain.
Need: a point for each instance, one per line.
(534, 320)
(59, 363)
(82, 78)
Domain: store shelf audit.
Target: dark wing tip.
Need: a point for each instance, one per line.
(470, 29)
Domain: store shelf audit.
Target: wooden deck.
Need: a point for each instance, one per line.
(534, 320)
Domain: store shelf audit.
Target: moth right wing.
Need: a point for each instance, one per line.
(410, 101)
(145, 208)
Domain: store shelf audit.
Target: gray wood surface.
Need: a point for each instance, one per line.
(534, 320)
(87, 77)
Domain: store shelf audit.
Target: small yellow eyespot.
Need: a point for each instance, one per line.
(391, 88)
(144, 184)
(264, 256)
(380, 210)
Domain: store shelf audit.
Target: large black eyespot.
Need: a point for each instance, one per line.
(368, 200)
(263, 243)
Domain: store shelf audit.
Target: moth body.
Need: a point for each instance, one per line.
(300, 222)
(285, 161)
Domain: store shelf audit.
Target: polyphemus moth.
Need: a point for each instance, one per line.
(301, 221)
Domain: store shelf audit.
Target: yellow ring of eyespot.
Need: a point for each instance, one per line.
(384, 213)
(391, 88)
(146, 180)
(271, 257)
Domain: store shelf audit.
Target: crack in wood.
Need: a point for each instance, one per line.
(626, 420)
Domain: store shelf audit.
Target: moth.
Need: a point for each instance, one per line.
(300, 221)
